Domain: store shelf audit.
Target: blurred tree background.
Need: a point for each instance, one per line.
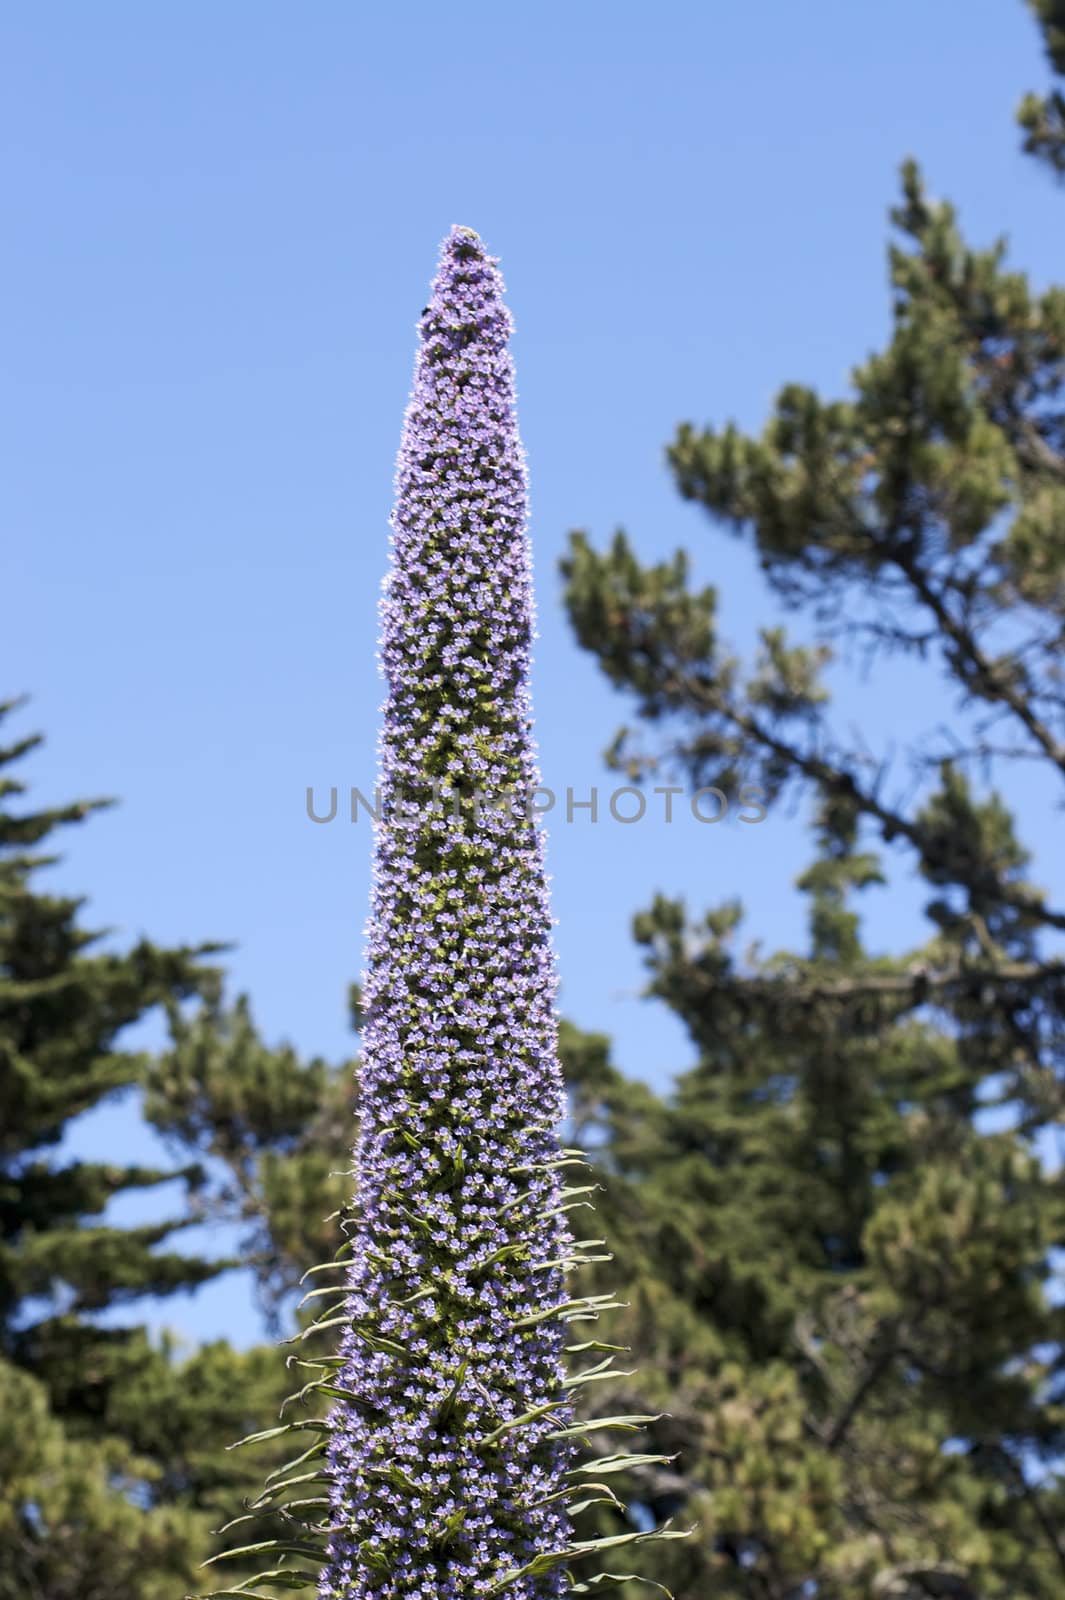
(844, 1220)
(838, 1233)
(113, 1466)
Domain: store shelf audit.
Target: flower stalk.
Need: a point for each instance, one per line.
(449, 1453)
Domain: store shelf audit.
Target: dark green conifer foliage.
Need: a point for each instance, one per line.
(112, 1471)
(840, 1227)
(63, 1006)
(1043, 116)
(271, 1129)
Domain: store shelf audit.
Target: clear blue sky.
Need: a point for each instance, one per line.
(221, 222)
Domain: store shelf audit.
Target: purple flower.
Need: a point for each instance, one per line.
(458, 1203)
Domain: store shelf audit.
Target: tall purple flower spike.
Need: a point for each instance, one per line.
(450, 1446)
(458, 1240)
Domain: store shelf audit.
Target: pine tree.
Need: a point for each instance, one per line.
(840, 1225)
(114, 1472)
(837, 1282)
(63, 1007)
(87, 1509)
(272, 1132)
(1043, 118)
